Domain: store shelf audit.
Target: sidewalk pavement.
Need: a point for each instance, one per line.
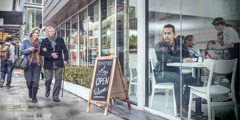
(16, 105)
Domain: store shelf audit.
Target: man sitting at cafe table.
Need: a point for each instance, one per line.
(168, 51)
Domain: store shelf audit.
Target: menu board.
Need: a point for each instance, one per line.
(101, 80)
(107, 83)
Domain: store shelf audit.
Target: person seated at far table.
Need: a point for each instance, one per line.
(168, 51)
(189, 42)
(209, 52)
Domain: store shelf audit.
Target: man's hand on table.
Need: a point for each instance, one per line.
(186, 60)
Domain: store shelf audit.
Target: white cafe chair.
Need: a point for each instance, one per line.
(133, 79)
(206, 92)
(133, 73)
(166, 86)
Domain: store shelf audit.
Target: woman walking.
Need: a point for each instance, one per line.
(30, 49)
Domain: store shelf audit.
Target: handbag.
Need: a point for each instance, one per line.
(22, 63)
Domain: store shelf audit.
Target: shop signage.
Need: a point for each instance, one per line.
(3, 37)
(107, 83)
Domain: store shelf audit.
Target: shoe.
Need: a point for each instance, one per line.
(1, 83)
(34, 94)
(7, 87)
(30, 91)
(56, 99)
(34, 100)
(47, 93)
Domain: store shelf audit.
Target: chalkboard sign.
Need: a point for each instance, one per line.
(107, 83)
(101, 80)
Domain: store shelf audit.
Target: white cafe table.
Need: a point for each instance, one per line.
(187, 65)
(196, 65)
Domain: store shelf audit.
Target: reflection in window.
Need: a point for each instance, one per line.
(58, 31)
(63, 29)
(108, 27)
(93, 23)
(73, 44)
(82, 37)
(68, 33)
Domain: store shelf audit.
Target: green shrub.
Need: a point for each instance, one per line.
(79, 75)
(133, 41)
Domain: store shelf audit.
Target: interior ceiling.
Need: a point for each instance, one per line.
(67, 11)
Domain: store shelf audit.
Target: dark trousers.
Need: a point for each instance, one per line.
(48, 74)
(234, 53)
(175, 78)
(7, 68)
(32, 75)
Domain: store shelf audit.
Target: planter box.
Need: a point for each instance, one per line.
(78, 90)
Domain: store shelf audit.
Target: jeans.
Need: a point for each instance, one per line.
(174, 77)
(7, 67)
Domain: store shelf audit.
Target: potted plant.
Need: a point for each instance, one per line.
(133, 42)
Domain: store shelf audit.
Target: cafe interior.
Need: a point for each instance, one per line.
(190, 18)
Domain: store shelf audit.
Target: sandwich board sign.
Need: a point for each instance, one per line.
(107, 83)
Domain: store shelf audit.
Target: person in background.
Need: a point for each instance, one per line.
(52, 49)
(168, 51)
(230, 38)
(210, 45)
(189, 42)
(220, 37)
(180, 37)
(31, 50)
(231, 43)
(225, 54)
(7, 65)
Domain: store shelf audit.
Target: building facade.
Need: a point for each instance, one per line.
(129, 29)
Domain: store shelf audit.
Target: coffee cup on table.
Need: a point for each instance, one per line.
(194, 59)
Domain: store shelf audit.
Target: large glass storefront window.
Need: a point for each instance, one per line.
(194, 28)
(83, 37)
(131, 46)
(68, 34)
(108, 27)
(63, 31)
(58, 31)
(93, 23)
(161, 95)
(73, 44)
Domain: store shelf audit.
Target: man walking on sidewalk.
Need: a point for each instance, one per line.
(53, 48)
(7, 62)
